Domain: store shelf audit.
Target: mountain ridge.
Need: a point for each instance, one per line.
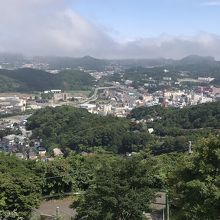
(92, 63)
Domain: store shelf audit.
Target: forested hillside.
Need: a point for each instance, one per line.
(27, 80)
(74, 80)
(79, 130)
(193, 117)
(174, 127)
(8, 84)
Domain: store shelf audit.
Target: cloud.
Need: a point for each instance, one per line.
(174, 46)
(51, 27)
(48, 27)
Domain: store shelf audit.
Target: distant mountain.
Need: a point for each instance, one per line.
(198, 66)
(86, 62)
(195, 59)
(26, 80)
(194, 67)
(188, 60)
(91, 63)
(127, 63)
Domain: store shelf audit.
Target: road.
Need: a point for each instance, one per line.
(94, 96)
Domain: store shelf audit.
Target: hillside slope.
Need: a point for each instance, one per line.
(193, 117)
(26, 80)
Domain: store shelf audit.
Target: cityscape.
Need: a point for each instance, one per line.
(109, 110)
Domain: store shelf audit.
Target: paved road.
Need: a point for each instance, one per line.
(94, 96)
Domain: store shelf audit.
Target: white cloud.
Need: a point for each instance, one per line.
(51, 27)
(47, 27)
(174, 46)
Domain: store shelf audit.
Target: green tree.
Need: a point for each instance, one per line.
(57, 177)
(20, 189)
(122, 189)
(196, 183)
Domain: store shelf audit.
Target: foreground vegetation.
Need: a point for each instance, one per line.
(116, 187)
(111, 184)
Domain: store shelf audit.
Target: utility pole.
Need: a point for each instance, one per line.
(57, 212)
(167, 207)
(163, 214)
(190, 147)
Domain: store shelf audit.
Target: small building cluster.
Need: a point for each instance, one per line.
(12, 104)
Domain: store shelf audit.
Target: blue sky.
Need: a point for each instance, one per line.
(111, 28)
(150, 18)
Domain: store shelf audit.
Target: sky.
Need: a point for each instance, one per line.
(111, 28)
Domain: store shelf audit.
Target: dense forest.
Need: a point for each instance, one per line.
(173, 128)
(28, 80)
(169, 119)
(79, 130)
(76, 129)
